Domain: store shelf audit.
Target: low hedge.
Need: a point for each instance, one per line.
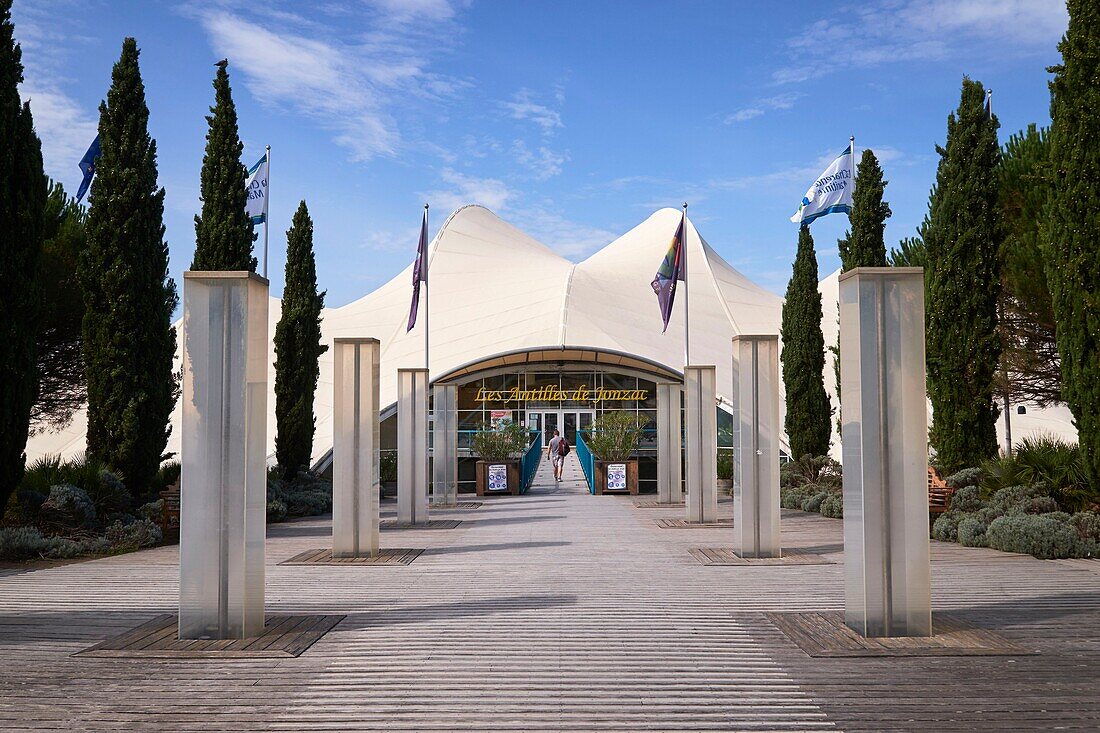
(1046, 536)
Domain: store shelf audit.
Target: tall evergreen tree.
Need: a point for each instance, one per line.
(1073, 262)
(803, 356)
(297, 347)
(129, 298)
(223, 232)
(22, 198)
(863, 245)
(962, 277)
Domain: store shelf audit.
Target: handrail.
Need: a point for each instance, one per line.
(529, 464)
(584, 455)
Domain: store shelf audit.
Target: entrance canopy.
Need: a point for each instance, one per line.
(498, 295)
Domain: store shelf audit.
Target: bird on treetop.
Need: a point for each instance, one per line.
(223, 63)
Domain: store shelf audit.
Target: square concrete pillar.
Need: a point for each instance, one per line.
(412, 446)
(670, 488)
(756, 388)
(355, 442)
(885, 435)
(444, 445)
(701, 443)
(223, 481)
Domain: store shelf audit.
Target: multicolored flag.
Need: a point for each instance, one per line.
(670, 271)
(831, 193)
(87, 167)
(420, 270)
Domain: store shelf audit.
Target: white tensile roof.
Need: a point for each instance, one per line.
(494, 290)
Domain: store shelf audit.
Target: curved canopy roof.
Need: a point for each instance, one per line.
(494, 291)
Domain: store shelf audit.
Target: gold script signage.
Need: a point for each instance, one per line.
(553, 393)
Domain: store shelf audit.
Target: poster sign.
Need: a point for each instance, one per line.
(616, 477)
(498, 417)
(497, 478)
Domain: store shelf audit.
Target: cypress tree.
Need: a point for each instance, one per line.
(223, 232)
(297, 347)
(129, 298)
(1073, 265)
(863, 245)
(803, 356)
(22, 199)
(963, 237)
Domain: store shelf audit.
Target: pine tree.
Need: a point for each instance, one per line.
(223, 233)
(297, 348)
(1073, 266)
(963, 237)
(22, 198)
(129, 298)
(864, 246)
(803, 356)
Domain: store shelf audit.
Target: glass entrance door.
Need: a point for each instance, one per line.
(572, 420)
(547, 422)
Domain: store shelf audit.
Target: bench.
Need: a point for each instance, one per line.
(170, 513)
(939, 493)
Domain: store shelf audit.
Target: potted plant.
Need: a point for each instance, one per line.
(725, 470)
(613, 439)
(387, 473)
(499, 448)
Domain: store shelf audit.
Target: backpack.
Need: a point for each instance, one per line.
(563, 447)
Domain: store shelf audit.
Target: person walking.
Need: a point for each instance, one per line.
(554, 454)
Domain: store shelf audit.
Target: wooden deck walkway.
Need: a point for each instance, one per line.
(553, 611)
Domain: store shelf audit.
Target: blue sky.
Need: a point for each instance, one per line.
(572, 120)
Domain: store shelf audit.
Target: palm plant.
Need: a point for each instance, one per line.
(506, 440)
(615, 435)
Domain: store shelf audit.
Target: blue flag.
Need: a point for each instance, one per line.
(420, 271)
(87, 167)
(670, 271)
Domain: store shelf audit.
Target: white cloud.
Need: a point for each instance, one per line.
(543, 162)
(348, 83)
(461, 189)
(65, 128)
(523, 107)
(763, 106)
(571, 239)
(888, 31)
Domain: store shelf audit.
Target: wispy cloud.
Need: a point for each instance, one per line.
(542, 162)
(571, 239)
(887, 31)
(347, 73)
(460, 189)
(762, 106)
(523, 107)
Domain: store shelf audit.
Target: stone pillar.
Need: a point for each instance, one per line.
(885, 434)
(223, 483)
(444, 445)
(756, 399)
(355, 441)
(670, 488)
(412, 446)
(701, 442)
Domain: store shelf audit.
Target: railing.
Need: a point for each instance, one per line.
(584, 455)
(529, 464)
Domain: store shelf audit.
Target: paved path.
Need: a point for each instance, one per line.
(554, 611)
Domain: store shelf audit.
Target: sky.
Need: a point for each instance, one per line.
(572, 120)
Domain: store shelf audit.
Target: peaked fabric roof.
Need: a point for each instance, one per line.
(494, 290)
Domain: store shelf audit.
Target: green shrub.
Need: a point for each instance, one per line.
(1087, 525)
(1046, 536)
(614, 436)
(833, 506)
(967, 499)
(28, 543)
(792, 497)
(1012, 500)
(153, 511)
(813, 504)
(725, 465)
(946, 526)
(971, 532)
(965, 477)
(819, 470)
(306, 495)
(387, 466)
(502, 441)
(276, 510)
(133, 536)
(167, 475)
(69, 506)
(105, 489)
(1053, 463)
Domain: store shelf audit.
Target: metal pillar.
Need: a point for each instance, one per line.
(444, 445)
(355, 441)
(701, 442)
(885, 434)
(223, 483)
(412, 446)
(670, 488)
(756, 414)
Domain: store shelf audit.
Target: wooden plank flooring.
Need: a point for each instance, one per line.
(681, 523)
(552, 611)
(727, 556)
(388, 524)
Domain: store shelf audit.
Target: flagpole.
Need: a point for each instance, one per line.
(852, 144)
(427, 309)
(684, 263)
(1000, 317)
(267, 208)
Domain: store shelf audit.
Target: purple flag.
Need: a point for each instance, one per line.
(670, 271)
(420, 270)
